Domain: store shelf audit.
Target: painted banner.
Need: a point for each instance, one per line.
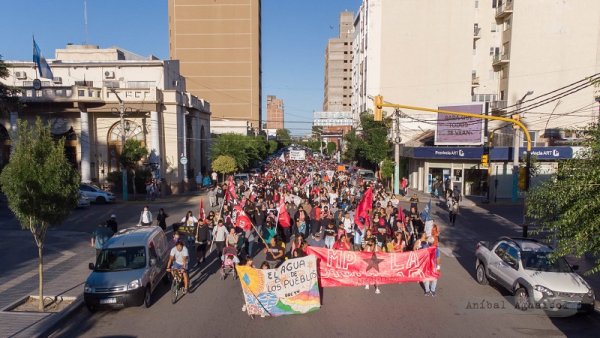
(356, 268)
(292, 288)
(460, 130)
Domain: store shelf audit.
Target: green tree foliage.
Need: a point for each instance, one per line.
(41, 185)
(372, 146)
(243, 149)
(8, 98)
(133, 152)
(331, 148)
(566, 207)
(272, 146)
(284, 136)
(224, 164)
(387, 168)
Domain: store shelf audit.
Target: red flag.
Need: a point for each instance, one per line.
(242, 220)
(363, 208)
(401, 216)
(201, 214)
(284, 216)
(230, 190)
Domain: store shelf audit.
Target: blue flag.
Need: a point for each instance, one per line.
(41, 62)
(426, 213)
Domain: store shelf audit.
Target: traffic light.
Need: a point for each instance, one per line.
(522, 178)
(378, 113)
(485, 160)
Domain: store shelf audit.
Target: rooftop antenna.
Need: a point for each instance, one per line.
(85, 21)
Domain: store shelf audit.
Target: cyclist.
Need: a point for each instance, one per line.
(178, 260)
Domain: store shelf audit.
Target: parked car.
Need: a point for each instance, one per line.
(82, 201)
(524, 267)
(128, 269)
(95, 194)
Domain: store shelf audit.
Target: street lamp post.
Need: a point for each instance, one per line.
(516, 146)
(123, 139)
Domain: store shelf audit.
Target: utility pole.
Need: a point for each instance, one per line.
(397, 141)
(516, 146)
(123, 139)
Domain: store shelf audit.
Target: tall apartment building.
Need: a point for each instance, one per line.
(218, 45)
(421, 53)
(274, 112)
(338, 67)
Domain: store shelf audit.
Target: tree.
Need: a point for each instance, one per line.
(8, 98)
(224, 164)
(284, 136)
(331, 147)
(272, 146)
(243, 149)
(133, 152)
(566, 206)
(353, 144)
(42, 194)
(387, 169)
(375, 146)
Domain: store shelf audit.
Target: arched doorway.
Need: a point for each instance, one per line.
(132, 131)
(4, 147)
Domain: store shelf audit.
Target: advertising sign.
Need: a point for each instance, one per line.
(460, 130)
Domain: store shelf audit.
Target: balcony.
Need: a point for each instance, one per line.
(504, 9)
(476, 33)
(500, 59)
(497, 106)
(474, 80)
(62, 94)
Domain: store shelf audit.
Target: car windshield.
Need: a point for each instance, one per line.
(540, 261)
(119, 259)
(367, 174)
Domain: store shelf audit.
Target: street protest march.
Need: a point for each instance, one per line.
(292, 288)
(356, 268)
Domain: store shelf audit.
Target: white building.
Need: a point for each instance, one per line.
(82, 104)
(439, 53)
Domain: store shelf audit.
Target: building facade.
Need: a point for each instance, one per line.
(218, 45)
(478, 51)
(275, 112)
(338, 67)
(82, 104)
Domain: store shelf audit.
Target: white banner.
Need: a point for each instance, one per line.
(297, 155)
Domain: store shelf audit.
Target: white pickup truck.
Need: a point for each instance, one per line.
(523, 266)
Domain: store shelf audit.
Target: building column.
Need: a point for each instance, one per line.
(84, 142)
(155, 142)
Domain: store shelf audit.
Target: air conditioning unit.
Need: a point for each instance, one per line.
(109, 74)
(21, 75)
(57, 80)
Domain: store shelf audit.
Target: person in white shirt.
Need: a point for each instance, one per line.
(219, 236)
(145, 217)
(178, 260)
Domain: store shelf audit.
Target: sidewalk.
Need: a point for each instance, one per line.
(67, 255)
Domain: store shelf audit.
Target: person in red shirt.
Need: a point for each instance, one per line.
(342, 243)
(315, 219)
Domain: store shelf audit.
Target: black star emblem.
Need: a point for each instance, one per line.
(373, 262)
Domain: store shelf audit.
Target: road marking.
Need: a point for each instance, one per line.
(448, 252)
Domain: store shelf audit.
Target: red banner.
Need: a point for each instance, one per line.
(356, 268)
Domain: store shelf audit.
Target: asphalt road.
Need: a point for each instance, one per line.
(213, 308)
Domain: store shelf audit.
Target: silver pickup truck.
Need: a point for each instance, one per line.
(523, 267)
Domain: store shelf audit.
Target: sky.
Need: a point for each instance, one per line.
(294, 37)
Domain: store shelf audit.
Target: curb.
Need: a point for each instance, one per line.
(48, 326)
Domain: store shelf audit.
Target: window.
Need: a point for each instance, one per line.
(494, 3)
(491, 51)
(476, 4)
(501, 250)
(533, 135)
(494, 27)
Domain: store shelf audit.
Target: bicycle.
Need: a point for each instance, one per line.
(176, 284)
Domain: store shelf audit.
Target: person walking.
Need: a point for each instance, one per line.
(220, 236)
(452, 210)
(100, 236)
(145, 217)
(202, 236)
(112, 223)
(161, 218)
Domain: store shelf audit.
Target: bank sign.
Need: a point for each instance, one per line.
(496, 153)
(459, 130)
